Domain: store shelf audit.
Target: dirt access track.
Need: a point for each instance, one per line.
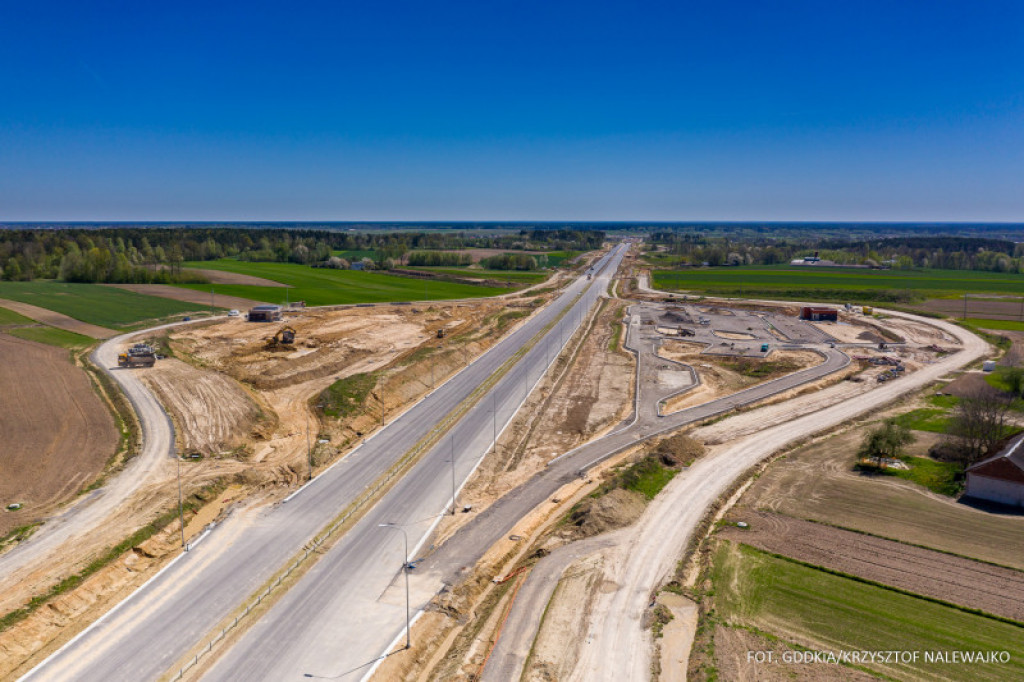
(55, 319)
(200, 298)
(57, 431)
(976, 585)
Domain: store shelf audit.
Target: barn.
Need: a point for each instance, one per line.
(819, 314)
(999, 478)
(265, 313)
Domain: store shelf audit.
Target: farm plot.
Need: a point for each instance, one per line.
(94, 304)
(817, 482)
(802, 283)
(826, 612)
(57, 432)
(975, 585)
(322, 286)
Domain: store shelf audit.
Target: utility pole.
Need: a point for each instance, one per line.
(965, 306)
(212, 306)
(405, 569)
(494, 421)
(181, 508)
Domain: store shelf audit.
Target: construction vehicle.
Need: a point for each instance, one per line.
(683, 331)
(764, 347)
(139, 355)
(441, 332)
(282, 340)
(867, 310)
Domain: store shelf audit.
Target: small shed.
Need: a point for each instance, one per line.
(999, 478)
(815, 314)
(265, 313)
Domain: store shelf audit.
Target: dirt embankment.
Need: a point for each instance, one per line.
(211, 412)
(993, 589)
(588, 392)
(57, 432)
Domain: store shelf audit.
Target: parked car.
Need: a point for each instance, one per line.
(233, 313)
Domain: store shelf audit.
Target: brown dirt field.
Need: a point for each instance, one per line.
(211, 412)
(816, 482)
(569, 407)
(189, 296)
(966, 384)
(55, 319)
(222, 277)
(993, 589)
(58, 434)
(733, 644)
(1009, 309)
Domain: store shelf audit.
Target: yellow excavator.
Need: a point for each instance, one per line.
(282, 340)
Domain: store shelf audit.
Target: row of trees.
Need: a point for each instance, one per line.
(121, 254)
(951, 253)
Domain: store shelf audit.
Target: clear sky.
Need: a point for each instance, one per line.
(762, 110)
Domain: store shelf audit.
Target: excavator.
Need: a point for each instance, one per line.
(282, 340)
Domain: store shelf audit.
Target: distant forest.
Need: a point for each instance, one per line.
(154, 255)
(941, 252)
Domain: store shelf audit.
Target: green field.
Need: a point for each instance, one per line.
(787, 282)
(556, 258)
(932, 419)
(95, 303)
(51, 336)
(323, 286)
(11, 317)
(516, 276)
(1002, 325)
(781, 597)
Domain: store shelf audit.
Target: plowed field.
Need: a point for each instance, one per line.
(976, 585)
(56, 433)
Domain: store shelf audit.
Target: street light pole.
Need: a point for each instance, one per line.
(494, 422)
(181, 509)
(451, 439)
(309, 449)
(405, 569)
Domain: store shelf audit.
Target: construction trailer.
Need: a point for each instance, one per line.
(815, 314)
(265, 313)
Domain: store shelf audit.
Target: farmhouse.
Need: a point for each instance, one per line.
(999, 478)
(819, 314)
(265, 313)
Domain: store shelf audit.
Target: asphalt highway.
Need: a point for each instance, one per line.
(143, 636)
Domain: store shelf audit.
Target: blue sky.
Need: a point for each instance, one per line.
(512, 110)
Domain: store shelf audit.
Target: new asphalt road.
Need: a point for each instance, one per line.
(144, 636)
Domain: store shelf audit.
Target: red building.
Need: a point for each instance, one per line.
(819, 314)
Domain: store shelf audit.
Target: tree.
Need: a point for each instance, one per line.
(886, 441)
(979, 423)
(1013, 376)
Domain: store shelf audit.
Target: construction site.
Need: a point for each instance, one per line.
(545, 531)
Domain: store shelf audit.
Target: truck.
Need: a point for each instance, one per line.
(136, 360)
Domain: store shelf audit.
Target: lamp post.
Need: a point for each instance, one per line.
(494, 421)
(181, 509)
(451, 440)
(309, 449)
(405, 569)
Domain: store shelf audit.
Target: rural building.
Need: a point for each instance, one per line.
(819, 314)
(265, 313)
(1000, 478)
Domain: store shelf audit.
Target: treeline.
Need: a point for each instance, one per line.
(129, 254)
(514, 261)
(439, 258)
(949, 253)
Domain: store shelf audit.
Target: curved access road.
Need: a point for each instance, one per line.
(91, 511)
(616, 647)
